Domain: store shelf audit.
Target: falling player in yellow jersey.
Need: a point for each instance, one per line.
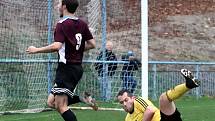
(140, 109)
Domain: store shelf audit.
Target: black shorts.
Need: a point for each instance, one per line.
(176, 116)
(66, 79)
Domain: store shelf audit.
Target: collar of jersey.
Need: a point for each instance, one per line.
(67, 17)
(70, 17)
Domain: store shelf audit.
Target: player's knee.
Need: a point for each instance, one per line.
(61, 109)
(57, 107)
(163, 98)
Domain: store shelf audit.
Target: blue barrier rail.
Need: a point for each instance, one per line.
(159, 80)
(97, 61)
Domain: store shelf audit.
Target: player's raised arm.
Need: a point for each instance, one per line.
(90, 44)
(46, 49)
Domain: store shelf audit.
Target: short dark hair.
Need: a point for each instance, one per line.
(121, 92)
(71, 5)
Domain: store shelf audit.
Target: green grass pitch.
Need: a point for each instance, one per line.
(191, 110)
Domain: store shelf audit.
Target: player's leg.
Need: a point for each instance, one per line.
(73, 100)
(86, 98)
(167, 105)
(50, 101)
(179, 90)
(61, 106)
(60, 103)
(67, 77)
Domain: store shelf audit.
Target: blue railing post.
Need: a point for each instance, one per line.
(104, 74)
(154, 68)
(49, 42)
(197, 76)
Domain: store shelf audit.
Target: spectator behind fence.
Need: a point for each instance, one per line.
(128, 69)
(109, 56)
(105, 78)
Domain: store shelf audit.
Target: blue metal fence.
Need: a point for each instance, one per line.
(164, 75)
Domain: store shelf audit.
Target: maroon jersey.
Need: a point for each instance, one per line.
(73, 33)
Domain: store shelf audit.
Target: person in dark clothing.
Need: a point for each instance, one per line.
(127, 71)
(105, 78)
(109, 56)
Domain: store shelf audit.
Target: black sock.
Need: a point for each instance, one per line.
(69, 116)
(73, 100)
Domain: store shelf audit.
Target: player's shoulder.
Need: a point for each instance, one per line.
(138, 99)
(142, 101)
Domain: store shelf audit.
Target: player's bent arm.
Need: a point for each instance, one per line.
(46, 49)
(149, 113)
(90, 44)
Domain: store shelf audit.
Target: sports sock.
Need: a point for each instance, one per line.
(69, 116)
(176, 92)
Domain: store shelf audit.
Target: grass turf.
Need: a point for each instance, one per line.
(191, 110)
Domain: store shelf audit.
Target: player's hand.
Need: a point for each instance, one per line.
(31, 50)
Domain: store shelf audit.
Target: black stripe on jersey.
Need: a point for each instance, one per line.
(142, 102)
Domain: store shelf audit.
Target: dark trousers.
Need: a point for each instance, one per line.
(129, 83)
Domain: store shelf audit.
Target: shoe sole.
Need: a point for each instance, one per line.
(188, 75)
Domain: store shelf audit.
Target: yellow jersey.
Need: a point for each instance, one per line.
(140, 105)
